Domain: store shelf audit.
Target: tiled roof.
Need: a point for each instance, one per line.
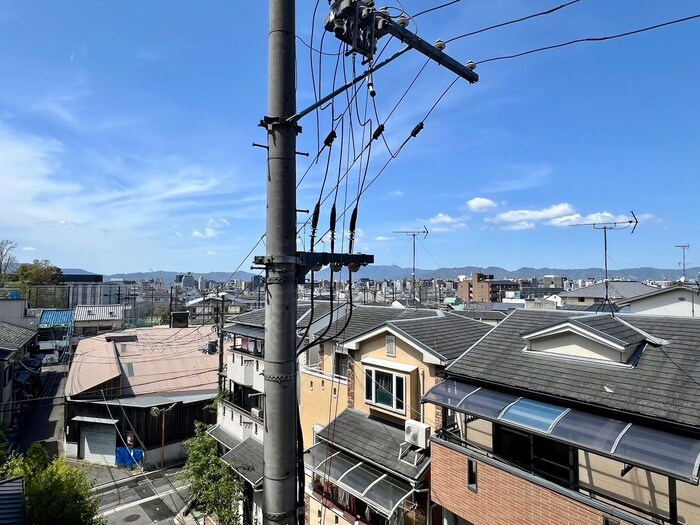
(53, 317)
(481, 315)
(99, 313)
(664, 384)
(616, 290)
(366, 318)
(379, 445)
(448, 336)
(247, 460)
(13, 337)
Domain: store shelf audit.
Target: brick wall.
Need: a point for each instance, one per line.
(501, 498)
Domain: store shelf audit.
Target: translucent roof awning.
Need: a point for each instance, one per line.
(656, 450)
(381, 491)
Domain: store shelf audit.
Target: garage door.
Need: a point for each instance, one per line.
(98, 442)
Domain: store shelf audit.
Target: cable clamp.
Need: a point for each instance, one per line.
(269, 123)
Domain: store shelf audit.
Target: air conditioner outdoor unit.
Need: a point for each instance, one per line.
(257, 412)
(417, 433)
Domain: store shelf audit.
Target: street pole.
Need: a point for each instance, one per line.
(279, 450)
(162, 439)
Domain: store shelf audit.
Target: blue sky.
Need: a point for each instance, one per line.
(126, 131)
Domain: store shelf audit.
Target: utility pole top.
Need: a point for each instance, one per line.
(359, 24)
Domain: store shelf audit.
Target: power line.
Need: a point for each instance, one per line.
(503, 24)
(590, 39)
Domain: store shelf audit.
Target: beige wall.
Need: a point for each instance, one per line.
(322, 398)
(679, 302)
(577, 346)
(405, 355)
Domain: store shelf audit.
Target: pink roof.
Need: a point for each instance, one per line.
(162, 360)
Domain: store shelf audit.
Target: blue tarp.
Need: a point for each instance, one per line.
(129, 457)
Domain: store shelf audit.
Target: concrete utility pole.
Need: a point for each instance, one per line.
(279, 449)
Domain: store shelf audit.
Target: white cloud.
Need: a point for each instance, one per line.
(480, 204)
(382, 238)
(212, 230)
(443, 222)
(210, 252)
(515, 216)
(519, 226)
(396, 193)
(592, 218)
(28, 249)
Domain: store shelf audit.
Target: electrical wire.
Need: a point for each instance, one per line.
(517, 20)
(590, 39)
(434, 8)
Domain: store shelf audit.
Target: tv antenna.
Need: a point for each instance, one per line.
(414, 234)
(683, 247)
(606, 226)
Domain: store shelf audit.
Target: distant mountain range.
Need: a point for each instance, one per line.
(377, 272)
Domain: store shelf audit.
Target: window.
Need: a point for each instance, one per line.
(544, 457)
(610, 521)
(390, 346)
(340, 364)
(385, 389)
(471, 475)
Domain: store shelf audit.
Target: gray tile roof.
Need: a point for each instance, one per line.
(481, 315)
(367, 318)
(448, 336)
(664, 384)
(379, 444)
(13, 337)
(247, 460)
(616, 290)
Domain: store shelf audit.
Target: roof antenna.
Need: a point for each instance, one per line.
(605, 226)
(413, 234)
(683, 247)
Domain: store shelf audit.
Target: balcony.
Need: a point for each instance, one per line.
(238, 422)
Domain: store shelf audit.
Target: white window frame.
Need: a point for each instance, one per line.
(370, 371)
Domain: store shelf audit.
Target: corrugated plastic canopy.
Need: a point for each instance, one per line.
(382, 492)
(663, 452)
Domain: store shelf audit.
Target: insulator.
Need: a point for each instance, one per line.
(378, 132)
(419, 127)
(317, 213)
(330, 138)
(440, 45)
(471, 65)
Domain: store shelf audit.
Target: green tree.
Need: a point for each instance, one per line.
(39, 272)
(212, 482)
(55, 492)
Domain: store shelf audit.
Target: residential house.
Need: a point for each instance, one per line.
(368, 458)
(92, 320)
(136, 394)
(15, 343)
(55, 331)
(240, 415)
(678, 300)
(596, 294)
(559, 417)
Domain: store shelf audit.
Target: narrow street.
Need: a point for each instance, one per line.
(42, 419)
(155, 498)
